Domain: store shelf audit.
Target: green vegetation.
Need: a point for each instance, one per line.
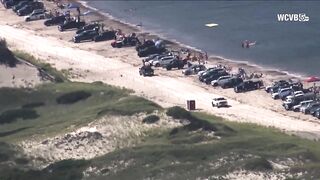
(73, 97)
(151, 119)
(185, 152)
(130, 105)
(258, 164)
(52, 108)
(63, 170)
(184, 155)
(57, 75)
(178, 112)
(33, 105)
(205, 146)
(14, 114)
(6, 56)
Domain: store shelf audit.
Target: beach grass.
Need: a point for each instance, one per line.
(57, 75)
(53, 108)
(190, 155)
(208, 145)
(6, 56)
(180, 153)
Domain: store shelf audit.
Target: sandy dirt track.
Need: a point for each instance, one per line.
(100, 62)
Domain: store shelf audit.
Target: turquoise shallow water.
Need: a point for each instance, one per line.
(288, 46)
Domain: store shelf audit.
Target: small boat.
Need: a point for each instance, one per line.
(211, 25)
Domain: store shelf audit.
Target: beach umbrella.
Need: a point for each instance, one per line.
(312, 79)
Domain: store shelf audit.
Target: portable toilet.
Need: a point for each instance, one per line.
(191, 105)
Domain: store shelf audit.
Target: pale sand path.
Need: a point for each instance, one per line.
(22, 75)
(165, 90)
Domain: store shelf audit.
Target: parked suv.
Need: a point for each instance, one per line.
(20, 5)
(281, 91)
(291, 102)
(208, 72)
(219, 102)
(269, 89)
(215, 82)
(296, 108)
(175, 64)
(8, 4)
(215, 76)
(248, 85)
(317, 113)
(85, 35)
(230, 83)
(163, 61)
(30, 8)
(306, 109)
(36, 14)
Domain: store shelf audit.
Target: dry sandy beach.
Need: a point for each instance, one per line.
(92, 61)
(23, 75)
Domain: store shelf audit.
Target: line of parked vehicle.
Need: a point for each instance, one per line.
(94, 31)
(215, 76)
(166, 60)
(218, 76)
(156, 55)
(295, 97)
(32, 10)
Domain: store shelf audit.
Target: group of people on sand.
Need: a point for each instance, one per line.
(199, 57)
(242, 73)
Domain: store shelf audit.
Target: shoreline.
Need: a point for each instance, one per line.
(213, 59)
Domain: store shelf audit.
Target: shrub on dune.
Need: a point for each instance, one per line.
(73, 97)
(6, 56)
(151, 119)
(15, 114)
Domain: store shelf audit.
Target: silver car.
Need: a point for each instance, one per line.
(162, 61)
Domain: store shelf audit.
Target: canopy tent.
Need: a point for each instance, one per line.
(312, 79)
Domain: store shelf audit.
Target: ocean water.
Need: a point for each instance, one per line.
(287, 46)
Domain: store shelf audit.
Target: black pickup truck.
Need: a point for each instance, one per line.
(55, 20)
(72, 24)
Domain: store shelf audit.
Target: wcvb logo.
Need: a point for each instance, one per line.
(301, 17)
